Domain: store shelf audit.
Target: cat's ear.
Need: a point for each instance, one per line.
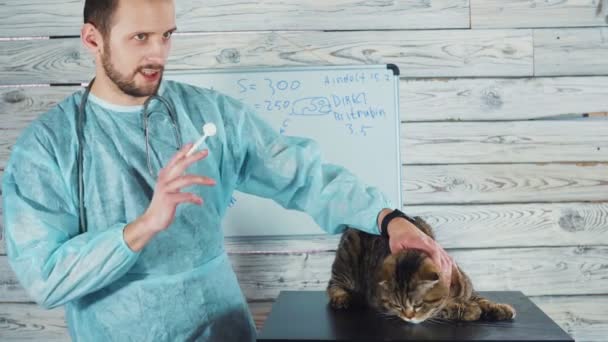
(430, 276)
(427, 284)
(429, 271)
(388, 267)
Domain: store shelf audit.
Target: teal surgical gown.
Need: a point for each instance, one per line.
(181, 286)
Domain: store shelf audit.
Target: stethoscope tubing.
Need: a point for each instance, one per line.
(80, 137)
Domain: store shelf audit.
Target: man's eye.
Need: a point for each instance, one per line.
(141, 36)
(167, 35)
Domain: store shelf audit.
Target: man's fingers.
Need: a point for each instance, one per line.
(436, 256)
(179, 155)
(447, 266)
(182, 164)
(183, 181)
(181, 197)
(445, 261)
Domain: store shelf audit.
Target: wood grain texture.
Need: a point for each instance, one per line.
(504, 183)
(503, 142)
(458, 99)
(534, 271)
(466, 226)
(464, 99)
(322, 15)
(30, 322)
(469, 227)
(432, 142)
(500, 183)
(418, 53)
(581, 51)
(30, 18)
(584, 317)
(535, 13)
(478, 142)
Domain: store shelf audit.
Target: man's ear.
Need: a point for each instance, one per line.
(91, 38)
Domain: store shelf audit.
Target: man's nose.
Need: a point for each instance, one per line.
(158, 52)
(155, 60)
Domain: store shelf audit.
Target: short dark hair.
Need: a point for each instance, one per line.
(99, 14)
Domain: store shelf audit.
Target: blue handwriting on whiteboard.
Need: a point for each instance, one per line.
(311, 106)
(277, 105)
(348, 100)
(284, 126)
(352, 114)
(282, 85)
(243, 87)
(246, 85)
(356, 77)
(361, 131)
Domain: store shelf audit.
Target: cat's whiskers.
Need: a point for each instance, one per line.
(437, 320)
(388, 316)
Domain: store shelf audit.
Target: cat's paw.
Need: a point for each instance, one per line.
(461, 312)
(499, 312)
(339, 299)
(472, 312)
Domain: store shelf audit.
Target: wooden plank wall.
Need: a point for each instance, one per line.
(504, 118)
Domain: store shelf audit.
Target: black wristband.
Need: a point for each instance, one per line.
(387, 219)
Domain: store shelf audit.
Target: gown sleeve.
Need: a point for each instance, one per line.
(290, 170)
(51, 259)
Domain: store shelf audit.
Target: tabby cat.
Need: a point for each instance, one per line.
(405, 284)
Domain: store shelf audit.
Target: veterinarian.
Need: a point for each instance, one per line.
(101, 216)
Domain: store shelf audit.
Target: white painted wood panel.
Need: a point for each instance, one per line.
(504, 142)
(585, 318)
(534, 271)
(30, 18)
(453, 53)
(479, 142)
(30, 322)
(456, 99)
(582, 51)
(464, 99)
(535, 13)
(504, 183)
(467, 226)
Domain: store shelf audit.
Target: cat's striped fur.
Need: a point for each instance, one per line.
(405, 284)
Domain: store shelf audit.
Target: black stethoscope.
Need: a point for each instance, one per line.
(79, 136)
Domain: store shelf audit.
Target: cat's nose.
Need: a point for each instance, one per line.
(409, 313)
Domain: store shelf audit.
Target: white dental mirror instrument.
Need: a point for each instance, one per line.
(209, 130)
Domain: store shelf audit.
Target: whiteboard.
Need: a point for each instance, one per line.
(350, 111)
